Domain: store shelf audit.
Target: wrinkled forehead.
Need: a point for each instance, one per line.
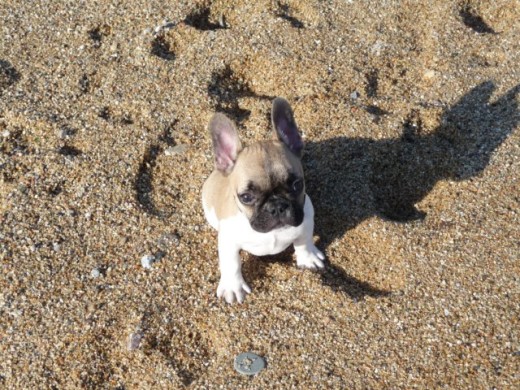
(266, 166)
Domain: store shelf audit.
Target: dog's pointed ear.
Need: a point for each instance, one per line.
(285, 126)
(226, 144)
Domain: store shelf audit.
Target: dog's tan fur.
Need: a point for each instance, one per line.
(220, 190)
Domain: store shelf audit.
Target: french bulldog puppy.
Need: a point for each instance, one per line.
(255, 198)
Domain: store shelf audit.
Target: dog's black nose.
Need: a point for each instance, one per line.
(277, 207)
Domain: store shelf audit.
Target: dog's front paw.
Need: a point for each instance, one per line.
(309, 257)
(233, 289)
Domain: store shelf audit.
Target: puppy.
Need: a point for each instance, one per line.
(255, 198)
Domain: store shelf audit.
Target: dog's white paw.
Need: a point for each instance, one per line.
(233, 289)
(309, 257)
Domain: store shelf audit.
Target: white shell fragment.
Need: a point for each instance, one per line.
(147, 261)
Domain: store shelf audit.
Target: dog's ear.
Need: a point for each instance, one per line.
(285, 126)
(226, 144)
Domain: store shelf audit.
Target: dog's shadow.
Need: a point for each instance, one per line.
(255, 268)
(352, 179)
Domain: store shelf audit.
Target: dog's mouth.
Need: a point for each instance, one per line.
(266, 229)
(266, 225)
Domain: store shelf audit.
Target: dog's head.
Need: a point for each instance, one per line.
(266, 178)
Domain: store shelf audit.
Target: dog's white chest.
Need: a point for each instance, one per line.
(237, 231)
(261, 244)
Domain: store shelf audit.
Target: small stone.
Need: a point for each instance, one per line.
(158, 256)
(376, 48)
(222, 21)
(6, 133)
(168, 240)
(446, 312)
(354, 95)
(177, 149)
(429, 74)
(62, 134)
(65, 132)
(249, 363)
(147, 261)
(95, 273)
(134, 340)
(55, 246)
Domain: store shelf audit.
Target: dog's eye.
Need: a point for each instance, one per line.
(246, 198)
(297, 185)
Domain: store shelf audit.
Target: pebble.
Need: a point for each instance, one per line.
(249, 363)
(63, 134)
(354, 95)
(147, 261)
(95, 273)
(429, 74)
(177, 149)
(134, 340)
(168, 240)
(376, 48)
(222, 21)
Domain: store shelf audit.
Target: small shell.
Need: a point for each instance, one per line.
(147, 261)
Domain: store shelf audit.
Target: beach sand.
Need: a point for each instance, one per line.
(410, 114)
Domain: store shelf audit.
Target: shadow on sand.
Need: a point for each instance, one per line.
(8, 75)
(352, 179)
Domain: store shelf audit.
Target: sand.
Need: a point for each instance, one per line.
(410, 114)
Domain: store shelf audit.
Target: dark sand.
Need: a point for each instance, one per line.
(410, 115)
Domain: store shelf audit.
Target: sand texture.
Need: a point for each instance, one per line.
(410, 115)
